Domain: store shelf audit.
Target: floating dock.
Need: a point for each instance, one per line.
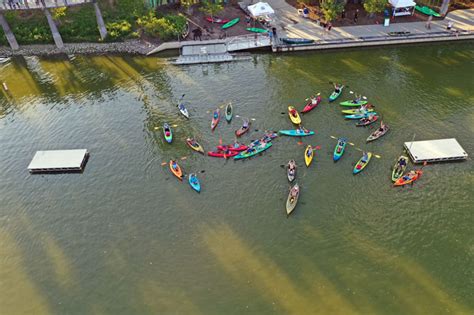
(58, 161)
(435, 150)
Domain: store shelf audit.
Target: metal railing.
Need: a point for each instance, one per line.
(17, 5)
(375, 38)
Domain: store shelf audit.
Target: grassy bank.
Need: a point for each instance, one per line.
(124, 19)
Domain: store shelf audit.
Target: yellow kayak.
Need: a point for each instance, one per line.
(294, 116)
(308, 155)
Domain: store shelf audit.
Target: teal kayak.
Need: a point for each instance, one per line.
(228, 112)
(231, 23)
(194, 182)
(334, 95)
(427, 10)
(296, 133)
(252, 151)
(359, 116)
(256, 30)
(352, 103)
(339, 149)
(167, 133)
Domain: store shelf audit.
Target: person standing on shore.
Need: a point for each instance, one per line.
(343, 14)
(450, 25)
(428, 23)
(356, 16)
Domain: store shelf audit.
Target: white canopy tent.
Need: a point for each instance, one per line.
(260, 9)
(403, 7)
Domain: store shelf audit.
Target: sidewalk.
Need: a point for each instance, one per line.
(290, 24)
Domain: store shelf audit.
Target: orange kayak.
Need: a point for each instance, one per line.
(408, 178)
(176, 170)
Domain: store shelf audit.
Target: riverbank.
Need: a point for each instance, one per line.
(132, 47)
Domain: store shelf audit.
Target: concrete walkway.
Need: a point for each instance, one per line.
(290, 24)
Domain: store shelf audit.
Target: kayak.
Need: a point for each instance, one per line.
(362, 163)
(334, 95)
(291, 170)
(408, 178)
(356, 111)
(215, 119)
(183, 110)
(311, 105)
(308, 155)
(237, 147)
(427, 10)
(228, 112)
(253, 151)
(256, 30)
(231, 23)
(296, 133)
(367, 121)
(216, 20)
(292, 199)
(352, 103)
(378, 133)
(296, 41)
(294, 116)
(175, 169)
(193, 144)
(339, 149)
(360, 115)
(194, 182)
(221, 154)
(167, 133)
(398, 169)
(398, 33)
(245, 127)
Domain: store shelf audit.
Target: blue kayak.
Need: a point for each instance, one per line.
(194, 182)
(360, 115)
(296, 41)
(296, 133)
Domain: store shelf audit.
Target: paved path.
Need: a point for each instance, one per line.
(10, 5)
(290, 24)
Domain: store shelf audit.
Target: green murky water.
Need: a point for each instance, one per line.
(125, 237)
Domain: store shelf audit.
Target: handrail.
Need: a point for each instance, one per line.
(15, 5)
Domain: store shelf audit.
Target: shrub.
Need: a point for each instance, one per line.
(375, 6)
(166, 28)
(119, 30)
(331, 9)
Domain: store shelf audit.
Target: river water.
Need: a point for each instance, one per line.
(125, 237)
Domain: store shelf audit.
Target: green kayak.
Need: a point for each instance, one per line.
(351, 103)
(426, 10)
(254, 151)
(256, 30)
(231, 23)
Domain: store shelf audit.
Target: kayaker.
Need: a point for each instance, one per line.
(402, 163)
(310, 151)
(174, 165)
(337, 88)
(357, 99)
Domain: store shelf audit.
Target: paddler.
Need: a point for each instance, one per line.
(337, 88)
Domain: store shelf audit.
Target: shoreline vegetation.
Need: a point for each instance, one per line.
(132, 27)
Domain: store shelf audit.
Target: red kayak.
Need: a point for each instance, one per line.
(311, 105)
(233, 148)
(215, 119)
(222, 154)
(216, 20)
(408, 178)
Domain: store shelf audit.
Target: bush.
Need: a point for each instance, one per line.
(166, 28)
(375, 6)
(331, 9)
(32, 30)
(120, 30)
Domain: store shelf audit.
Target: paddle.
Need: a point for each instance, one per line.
(252, 119)
(350, 143)
(376, 155)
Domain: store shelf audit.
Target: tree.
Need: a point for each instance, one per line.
(211, 8)
(374, 6)
(331, 9)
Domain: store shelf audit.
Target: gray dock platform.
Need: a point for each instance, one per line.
(435, 150)
(58, 161)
